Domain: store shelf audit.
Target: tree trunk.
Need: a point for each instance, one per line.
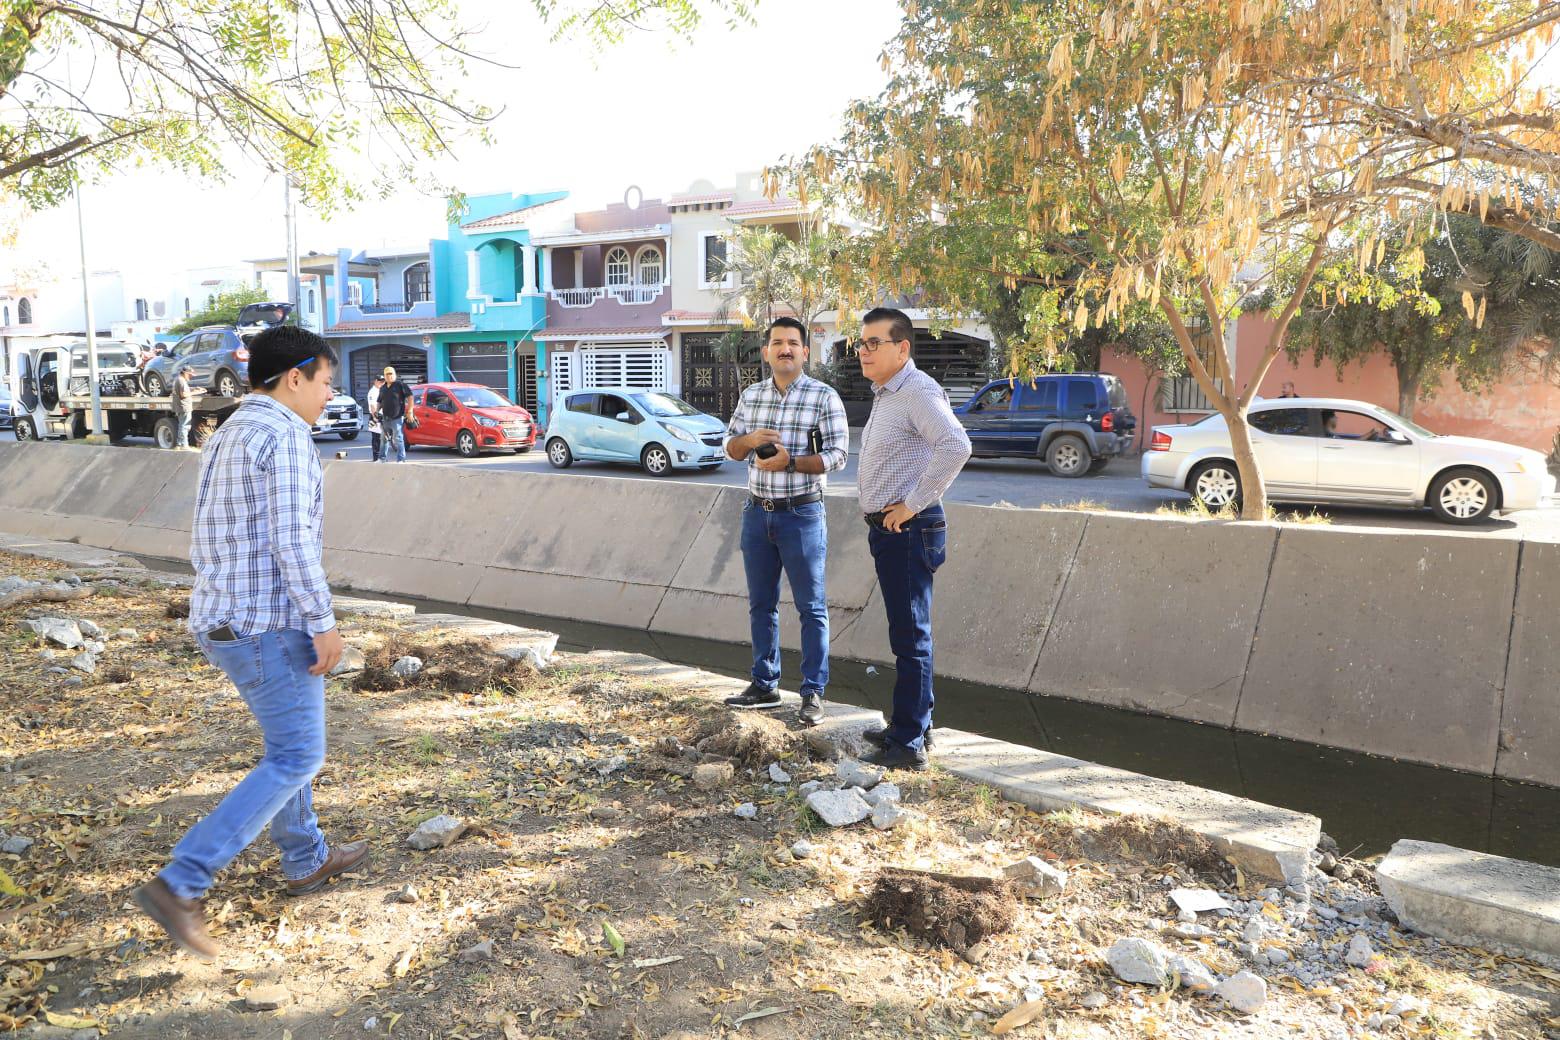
(1253, 492)
(1408, 389)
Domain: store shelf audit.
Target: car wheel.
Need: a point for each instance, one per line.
(1216, 485)
(558, 453)
(155, 387)
(466, 444)
(1068, 456)
(25, 430)
(656, 460)
(349, 435)
(227, 384)
(165, 433)
(1463, 496)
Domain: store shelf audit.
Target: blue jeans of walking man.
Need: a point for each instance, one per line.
(271, 672)
(905, 564)
(795, 541)
(395, 438)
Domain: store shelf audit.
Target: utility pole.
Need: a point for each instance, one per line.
(86, 310)
(292, 251)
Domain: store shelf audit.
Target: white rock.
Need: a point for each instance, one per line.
(839, 808)
(1138, 960)
(352, 660)
(778, 774)
(1182, 930)
(883, 792)
(857, 774)
(15, 845)
(888, 815)
(1243, 991)
(60, 631)
(1198, 900)
(267, 998)
(127, 633)
(1407, 1007)
(1093, 1001)
(802, 849)
(746, 811)
(1360, 952)
(84, 662)
(436, 833)
(1187, 917)
(1276, 956)
(407, 667)
(809, 787)
(90, 629)
(1033, 876)
(1255, 930)
(1194, 974)
(612, 765)
(712, 776)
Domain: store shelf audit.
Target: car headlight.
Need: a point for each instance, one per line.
(678, 432)
(483, 420)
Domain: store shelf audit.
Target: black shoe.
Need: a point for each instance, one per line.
(755, 696)
(895, 756)
(811, 712)
(879, 734)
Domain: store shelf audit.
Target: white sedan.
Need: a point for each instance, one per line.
(341, 417)
(1335, 451)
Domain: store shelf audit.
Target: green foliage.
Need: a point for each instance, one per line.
(1451, 295)
(347, 99)
(223, 310)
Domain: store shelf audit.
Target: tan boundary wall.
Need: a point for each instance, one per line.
(1441, 649)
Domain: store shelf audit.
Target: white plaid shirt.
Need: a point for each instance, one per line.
(805, 404)
(913, 446)
(259, 526)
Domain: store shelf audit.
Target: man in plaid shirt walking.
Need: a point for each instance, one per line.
(783, 523)
(261, 612)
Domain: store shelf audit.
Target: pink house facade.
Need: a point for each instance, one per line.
(1522, 409)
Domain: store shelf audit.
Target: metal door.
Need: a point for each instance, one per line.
(712, 379)
(49, 379)
(486, 364)
(525, 378)
(410, 364)
(1039, 406)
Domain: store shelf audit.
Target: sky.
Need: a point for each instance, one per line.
(650, 112)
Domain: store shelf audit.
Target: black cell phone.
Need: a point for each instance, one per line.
(222, 634)
(815, 440)
(766, 451)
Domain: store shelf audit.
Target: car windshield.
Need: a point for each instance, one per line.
(479, 397)
(1408, 424)
(107, 357)
(664, 405)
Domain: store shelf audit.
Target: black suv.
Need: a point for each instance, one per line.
(1076, 422)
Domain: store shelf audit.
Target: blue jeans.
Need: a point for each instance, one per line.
(905, 564)
(395, 437)
(795, 541)
(270, 670)
(182, 432)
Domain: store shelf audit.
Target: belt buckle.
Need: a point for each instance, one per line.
(768, 504)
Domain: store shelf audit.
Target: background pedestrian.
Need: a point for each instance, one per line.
(375, 429)
(395, 408)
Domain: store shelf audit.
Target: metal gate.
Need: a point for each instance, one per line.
(525, 377)
(639, 367)
(410, 364)
(486, 364)
(712, 379)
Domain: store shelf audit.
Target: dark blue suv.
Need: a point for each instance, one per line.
(1076, 422)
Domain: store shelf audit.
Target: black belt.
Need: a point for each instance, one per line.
(769, 505)
(875, 519)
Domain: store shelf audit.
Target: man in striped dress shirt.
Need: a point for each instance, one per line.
(783, 524)
(261, 612)
(911, 450)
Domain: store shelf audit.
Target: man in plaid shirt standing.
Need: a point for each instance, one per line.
(783, 524)
(261, 612)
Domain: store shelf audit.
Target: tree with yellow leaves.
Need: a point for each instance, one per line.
(1185, 155)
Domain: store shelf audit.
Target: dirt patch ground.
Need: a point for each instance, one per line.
(577, 822)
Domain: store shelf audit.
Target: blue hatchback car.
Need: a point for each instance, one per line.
(648, 428)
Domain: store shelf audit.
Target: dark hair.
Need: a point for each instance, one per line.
(900, 327)
(786, 323)
(283, 347)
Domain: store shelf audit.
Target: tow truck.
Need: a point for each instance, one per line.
(41, 409)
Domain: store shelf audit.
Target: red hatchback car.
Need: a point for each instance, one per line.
(469, 418)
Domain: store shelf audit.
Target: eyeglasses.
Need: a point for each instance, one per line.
(284, 371)
(870, 346)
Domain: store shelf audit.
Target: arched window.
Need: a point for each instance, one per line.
(416, 283)
(311, 301)
(617, 266)
(186, 306)
(650, 266)
(24, 311)
(5, 315)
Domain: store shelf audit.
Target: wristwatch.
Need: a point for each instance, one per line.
(790, 466)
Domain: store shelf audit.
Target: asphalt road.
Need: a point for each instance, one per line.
(1018, 483)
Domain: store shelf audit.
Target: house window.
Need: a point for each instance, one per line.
(354, 294)
(186, 306)
(140, 310)
(617, 266)
(650, 266)
(416, 283)
(5, 315)
(712, 263)
(311, 301)
(24, 311)
(1183, 394)
(159, 309)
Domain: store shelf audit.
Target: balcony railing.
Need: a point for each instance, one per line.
(625, 294)
(386, 308)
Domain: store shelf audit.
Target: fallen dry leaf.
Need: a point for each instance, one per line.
(1020, 1016)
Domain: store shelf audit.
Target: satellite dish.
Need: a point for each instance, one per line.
(701, 187)
(633, 196)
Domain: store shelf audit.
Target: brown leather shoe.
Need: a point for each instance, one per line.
(339, 860)
(183, 919)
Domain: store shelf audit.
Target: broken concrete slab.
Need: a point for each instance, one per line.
(1473, 897)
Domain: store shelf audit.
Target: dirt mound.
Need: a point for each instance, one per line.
(946, 909)
(1160, 842)
(458, 667)
(752, 740)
